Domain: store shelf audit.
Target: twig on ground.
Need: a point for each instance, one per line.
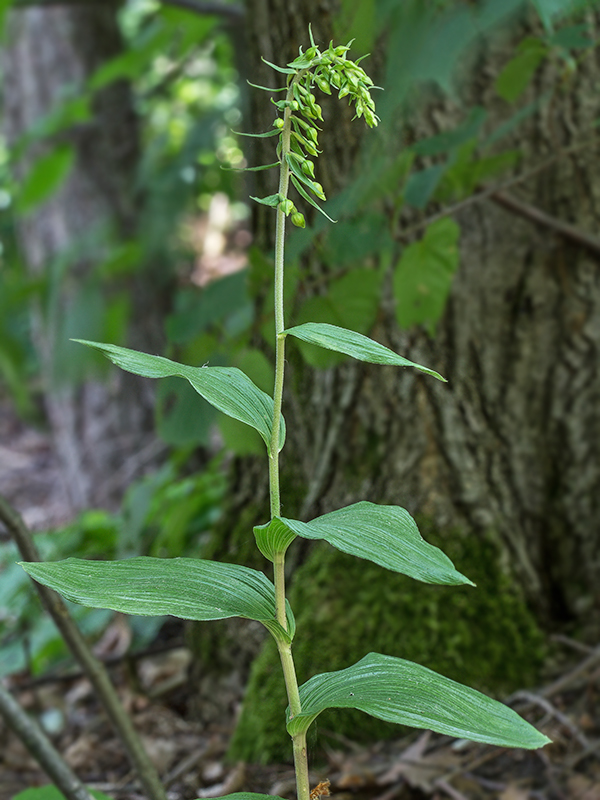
(41, 748)
(566, 681)
(108, 661)
(94, 669)
(535, 699)
(573, 643)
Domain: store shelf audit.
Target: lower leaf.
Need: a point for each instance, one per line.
(188, 588)
(400, 691)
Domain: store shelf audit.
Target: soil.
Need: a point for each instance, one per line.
(192, 759)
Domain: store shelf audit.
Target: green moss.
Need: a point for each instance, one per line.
(345, 608)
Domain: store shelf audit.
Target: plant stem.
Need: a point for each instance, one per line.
(285, 650)
(284, 180)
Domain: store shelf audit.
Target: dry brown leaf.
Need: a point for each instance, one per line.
(115, 640)
(513, 792)
(583, 788)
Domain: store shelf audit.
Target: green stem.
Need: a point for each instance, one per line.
(284, 180)
(285, 650)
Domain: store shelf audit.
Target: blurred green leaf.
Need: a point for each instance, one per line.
(518, 73)
(449, 140)
(421, 185)
(352, 301)
(182, 418)
(573, 37)
(197, 309)
(423, 276)
(45, 177)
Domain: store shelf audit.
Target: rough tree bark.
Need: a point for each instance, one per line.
(509, 448)
(510, 445)
(51, 50)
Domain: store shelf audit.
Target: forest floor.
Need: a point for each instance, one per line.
(192, 759)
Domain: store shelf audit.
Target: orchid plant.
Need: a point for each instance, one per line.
(384, 686)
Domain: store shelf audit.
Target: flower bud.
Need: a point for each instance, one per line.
(370, 118)
(286, 206)
(322, 84)
(308, 168)
(298, 219)
(311, 133)
(278, 123)
(319, 190)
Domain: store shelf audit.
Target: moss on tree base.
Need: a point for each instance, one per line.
(345, 608)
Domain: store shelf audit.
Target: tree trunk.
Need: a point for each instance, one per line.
(508, 450)
(510, 445)
(102, 430)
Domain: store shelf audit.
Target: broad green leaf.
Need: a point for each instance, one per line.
(353, 344)
(188, 588)
(45, 177)
(400, 691)
(423, 276)
(226, 388)
(518, 73)
(386, 535)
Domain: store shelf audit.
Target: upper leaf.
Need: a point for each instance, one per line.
(188, 588)
(226, 388)
(386, 535)
(353, 344)
(399, 691)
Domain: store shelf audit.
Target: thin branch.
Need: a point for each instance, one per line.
(41, 748)
(94, 670)
(527, 211)
(487, 194)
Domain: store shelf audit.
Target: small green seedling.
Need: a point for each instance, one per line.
(381, 685)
